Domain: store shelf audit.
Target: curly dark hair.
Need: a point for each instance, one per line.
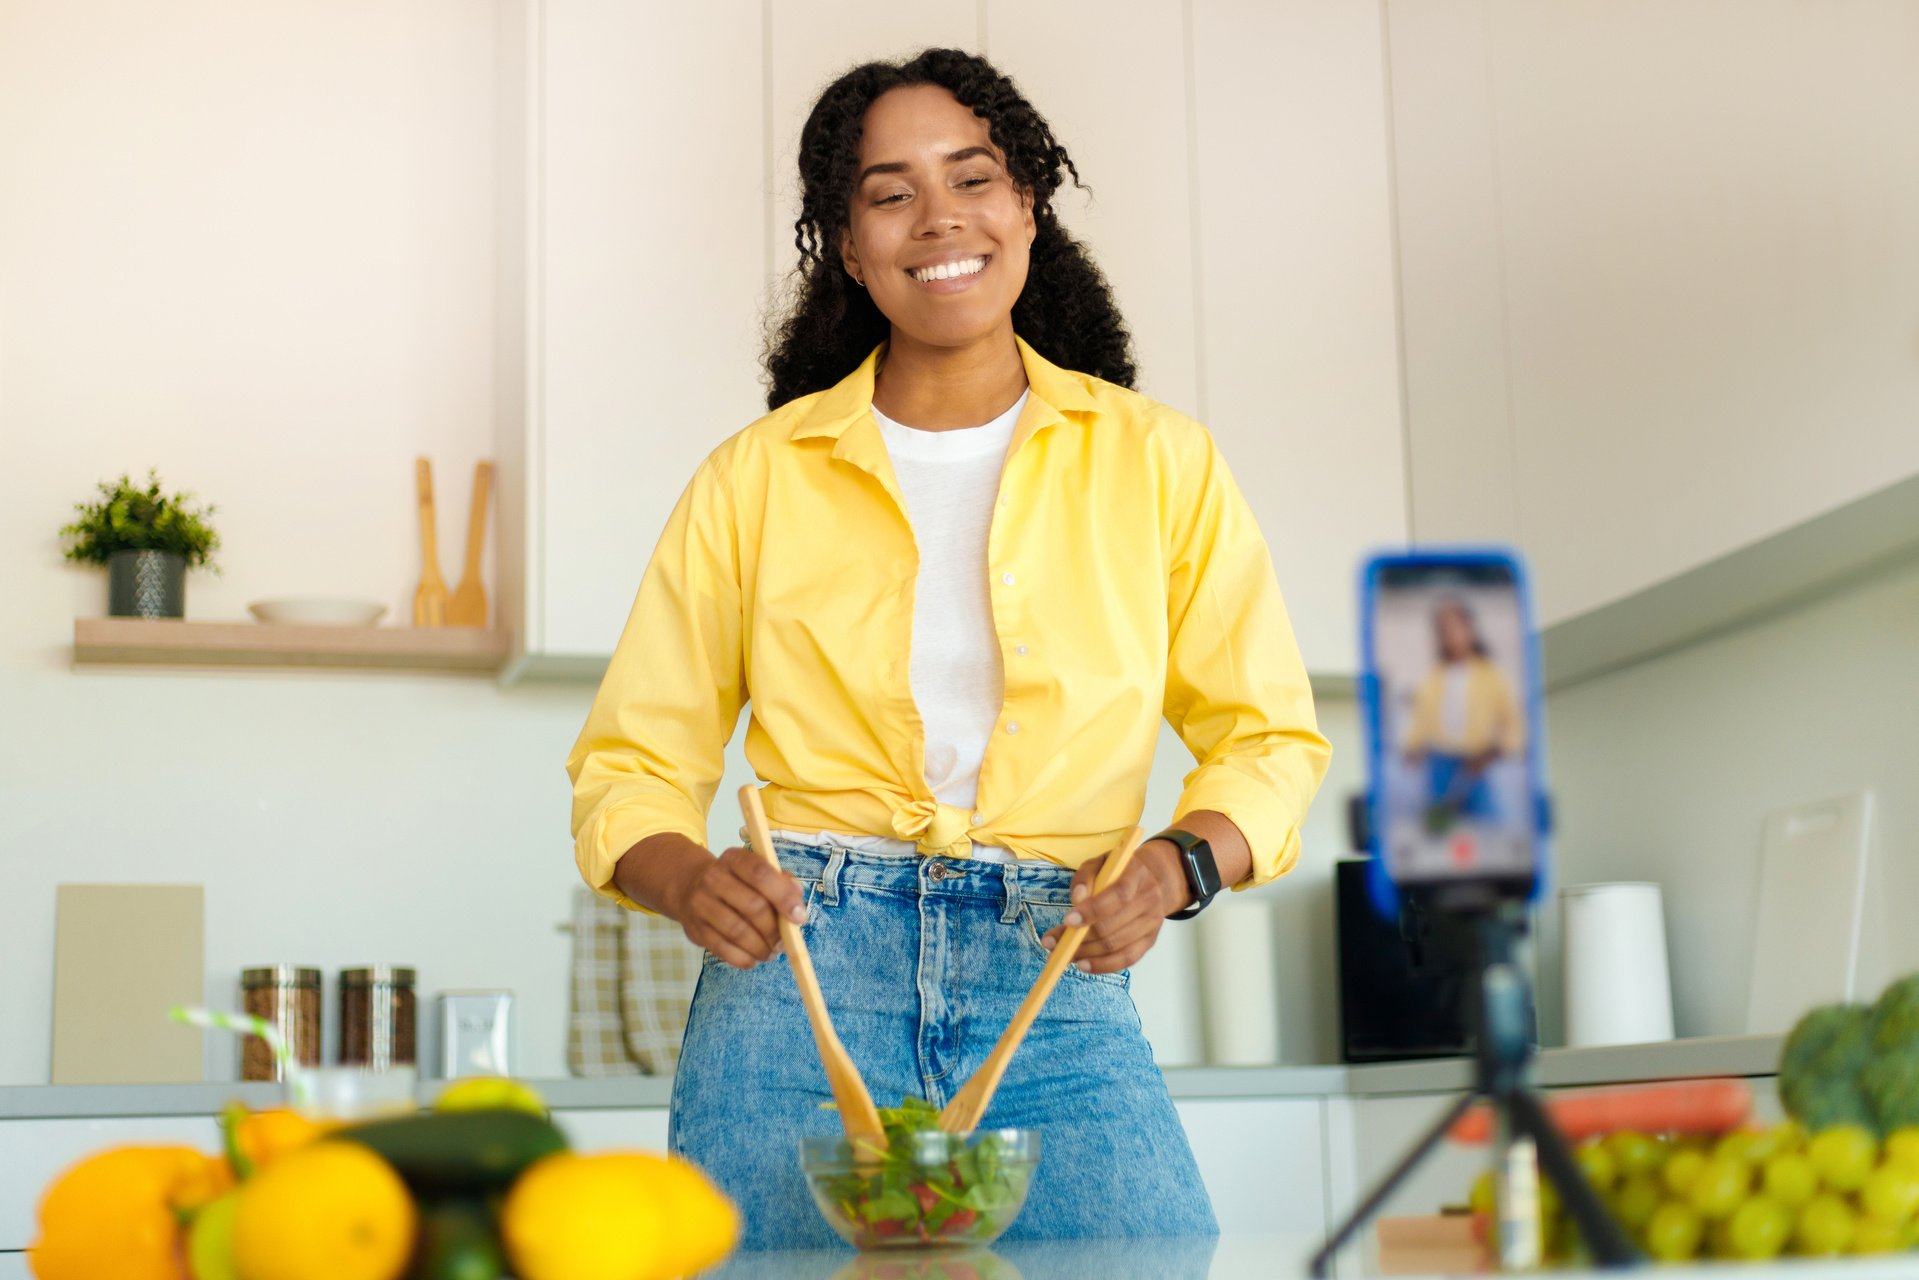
(1066, 310)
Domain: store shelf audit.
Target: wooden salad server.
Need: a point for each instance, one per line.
(468, 606)
(964, 1112)
(857, 1113)
(429, 601)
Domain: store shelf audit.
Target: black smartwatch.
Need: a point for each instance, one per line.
(1202, 873)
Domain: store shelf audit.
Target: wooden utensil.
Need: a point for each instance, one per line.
(963, 1113)
(429, 601)
(468, 606)
(857, 1113)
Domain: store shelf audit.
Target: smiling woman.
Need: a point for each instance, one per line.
(960, 572)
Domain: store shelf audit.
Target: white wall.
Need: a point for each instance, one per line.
(253, 245)
(1666, 770)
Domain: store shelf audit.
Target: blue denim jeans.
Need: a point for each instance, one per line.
(923, 962)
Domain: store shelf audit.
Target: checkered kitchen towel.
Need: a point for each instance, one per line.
(633, 978)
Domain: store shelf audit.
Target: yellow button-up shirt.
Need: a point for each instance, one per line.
(1129, 582)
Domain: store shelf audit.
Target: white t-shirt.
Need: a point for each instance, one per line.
(950, 480)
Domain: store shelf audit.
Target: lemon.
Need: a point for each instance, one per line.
(617, 1215)
(210, 1241)
(489, 1093)
(329, 1211)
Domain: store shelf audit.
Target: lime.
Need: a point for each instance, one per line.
(1902, 1148)
(1759, 1229)
(1682, 1170)
(1633, 1204)
(489, 1093)
(210, 1240)
(1722, 1183)
(1484, 1197)
(1842, 1156)
(1634, 1152)
(1790, 1179)
(1826, 1226)
(1876, 1235)
(1673, 1232)
(1599, 1166)
(1891, 1193)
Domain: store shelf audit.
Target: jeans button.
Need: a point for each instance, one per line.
(937, 871)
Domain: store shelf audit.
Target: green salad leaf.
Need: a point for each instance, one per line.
(973, 1195)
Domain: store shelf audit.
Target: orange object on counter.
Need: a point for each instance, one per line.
(255, 1139)
(118, 1213)
(1687, 1106)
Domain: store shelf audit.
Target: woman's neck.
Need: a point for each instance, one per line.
(947, 388)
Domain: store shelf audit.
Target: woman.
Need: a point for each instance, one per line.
(960, 572)
(1464, 719)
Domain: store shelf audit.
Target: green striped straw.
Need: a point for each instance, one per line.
(299, 1086)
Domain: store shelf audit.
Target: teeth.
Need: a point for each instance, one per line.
(948, 270)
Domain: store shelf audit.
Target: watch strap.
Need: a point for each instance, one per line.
(1196, 860)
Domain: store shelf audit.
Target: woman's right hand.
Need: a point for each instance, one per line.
(732, 906)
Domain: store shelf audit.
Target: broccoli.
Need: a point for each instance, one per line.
(1819, 1069)
(1891, 1080)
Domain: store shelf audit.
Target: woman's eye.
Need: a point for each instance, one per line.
(974, 182)
(896, 196)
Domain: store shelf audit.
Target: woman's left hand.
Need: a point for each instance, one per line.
(1123, 921)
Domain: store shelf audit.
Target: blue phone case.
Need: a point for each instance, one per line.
(1381, 887)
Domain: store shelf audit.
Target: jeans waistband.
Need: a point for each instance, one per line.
(835, 868)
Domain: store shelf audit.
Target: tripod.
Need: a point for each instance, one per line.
(1500, 1006)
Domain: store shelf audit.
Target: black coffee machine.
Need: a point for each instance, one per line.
(1401, 983)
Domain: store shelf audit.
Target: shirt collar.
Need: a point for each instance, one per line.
(1056, 392)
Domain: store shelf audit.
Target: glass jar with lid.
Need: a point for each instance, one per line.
(288, 998)
(377, 1022)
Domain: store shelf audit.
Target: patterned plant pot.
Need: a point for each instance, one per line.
(146, 584)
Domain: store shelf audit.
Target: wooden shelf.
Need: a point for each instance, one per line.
(171, 642)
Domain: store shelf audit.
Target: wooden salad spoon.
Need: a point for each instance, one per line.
(964, 1112)
(857, 1113)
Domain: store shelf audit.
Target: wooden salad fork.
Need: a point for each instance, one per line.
(968, 1107)
(857, 1113)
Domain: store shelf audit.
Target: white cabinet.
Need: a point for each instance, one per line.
(1114, 92)
(1298, 327)
(1659, 288)
(614, 1128)
(1263, 1161)
(646, 218)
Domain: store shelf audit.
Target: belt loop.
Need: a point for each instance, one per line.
(830, 877)
(1009, 884)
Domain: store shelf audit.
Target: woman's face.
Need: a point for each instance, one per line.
(1455, 634)
(938, 232)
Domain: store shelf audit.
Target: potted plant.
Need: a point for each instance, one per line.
(146, 539)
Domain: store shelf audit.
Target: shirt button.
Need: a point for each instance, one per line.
(1007, 578)
(1021, 651)
(1012, 726)
(979, 819)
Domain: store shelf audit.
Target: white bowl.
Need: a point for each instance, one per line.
(318, 611)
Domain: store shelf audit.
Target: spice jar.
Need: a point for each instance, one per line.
(288, 997)
(377, 1017)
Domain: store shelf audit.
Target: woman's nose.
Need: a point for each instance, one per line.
(938, 214)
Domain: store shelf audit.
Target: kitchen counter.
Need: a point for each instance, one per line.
(1231, 1257)
(1671, 1060)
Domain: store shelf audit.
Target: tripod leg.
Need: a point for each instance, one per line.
(1322, 1261)
(1609, 1244)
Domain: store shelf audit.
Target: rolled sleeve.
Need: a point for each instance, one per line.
(652, 752)
(1236, 689)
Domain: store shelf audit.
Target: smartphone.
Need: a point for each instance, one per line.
(1450, 692)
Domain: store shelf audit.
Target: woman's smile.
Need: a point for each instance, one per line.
(951, 273)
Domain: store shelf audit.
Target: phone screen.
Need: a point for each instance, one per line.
(1455, 722)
